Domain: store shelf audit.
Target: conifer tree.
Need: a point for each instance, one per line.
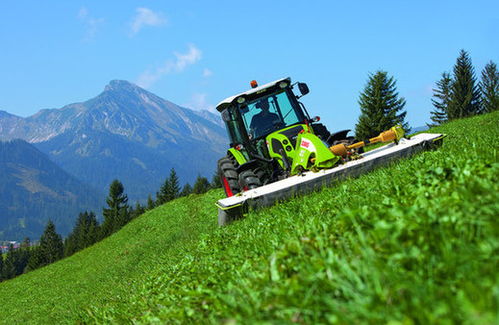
(137, 210)
(1, 266)
(441, 99)
(489, 87)
(9, 267)
(215, 180)
(35, 259)
(51, 245)
(84, 234)
(117, 214)
(186, 190)
(174, 189)
(162, 195)
(150, 203)
(24, 255)
(170, 189)
(465, 93)
(201, 185)
(380, 106)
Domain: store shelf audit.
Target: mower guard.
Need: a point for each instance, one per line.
(235, 207)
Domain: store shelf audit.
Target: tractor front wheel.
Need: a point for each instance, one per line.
(249, 180)
(228, 176)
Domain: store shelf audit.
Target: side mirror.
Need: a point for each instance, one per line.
(303, 88)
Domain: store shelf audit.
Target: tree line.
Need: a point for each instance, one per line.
(460, 95)
(456, 95)
(87, 230)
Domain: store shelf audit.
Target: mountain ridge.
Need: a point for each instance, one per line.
(33, 190)
(120, 130)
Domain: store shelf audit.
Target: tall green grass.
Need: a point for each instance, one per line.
(416, 242)
(105, 273)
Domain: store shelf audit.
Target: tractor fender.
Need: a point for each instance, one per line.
(340, 135)
(238, 156)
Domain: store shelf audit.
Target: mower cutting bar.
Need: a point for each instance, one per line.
(234, 207)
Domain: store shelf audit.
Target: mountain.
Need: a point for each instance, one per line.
(33, 189)
(126, 133)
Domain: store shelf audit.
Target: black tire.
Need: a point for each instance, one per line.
(228, 176)
(249, 180)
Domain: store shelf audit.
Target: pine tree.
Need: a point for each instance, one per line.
(9, 267)
(174, 189)
(465, 93)
(380, 106)
(150, 203)
(1, 265)
(117, 214)
(186, 190)
(24, 256)
(201, 185)
(170, 189)
(162, 195)
(84, 234)
(51, 245)
(215, 180)
(441, 99)
(137, 210)
(489, 87)
(35, 260)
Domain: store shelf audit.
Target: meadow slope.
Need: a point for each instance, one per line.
(417, 241)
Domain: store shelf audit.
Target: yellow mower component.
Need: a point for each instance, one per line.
(394, 134)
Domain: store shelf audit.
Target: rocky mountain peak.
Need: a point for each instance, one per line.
(122, 85)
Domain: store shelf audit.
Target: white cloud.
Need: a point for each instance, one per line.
(207, 73)
(182, 60)
(146, 17)
(91, 24)
(198, 102)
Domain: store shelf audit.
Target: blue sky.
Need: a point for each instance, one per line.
(196, 53)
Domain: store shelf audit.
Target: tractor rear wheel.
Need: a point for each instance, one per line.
(228, 176)
(249, 180)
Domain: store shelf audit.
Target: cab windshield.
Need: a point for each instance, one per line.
(270, 113)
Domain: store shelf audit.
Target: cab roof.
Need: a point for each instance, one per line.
(230, 100)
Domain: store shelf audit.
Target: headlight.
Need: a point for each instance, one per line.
(283, 84)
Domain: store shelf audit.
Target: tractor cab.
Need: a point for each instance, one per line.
(254, 114)
(265, 126)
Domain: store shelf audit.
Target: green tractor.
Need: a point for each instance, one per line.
(272, 137)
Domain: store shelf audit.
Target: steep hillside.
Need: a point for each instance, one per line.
(127, 133)
(416, 242)
(33, 189)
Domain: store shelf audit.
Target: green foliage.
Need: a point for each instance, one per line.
(51, 246)
(117, 214)
(201, 185)
(85, 233)
(441, 99)
(186, 190)
(150, 203)
(137, 210)
(465, 94)
(416, 242)
(9, 267)
(215, 180)
(170, 189)
(380, 106)
(489, 86)
(1, 266)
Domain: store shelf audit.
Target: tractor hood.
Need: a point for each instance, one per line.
(230, 100)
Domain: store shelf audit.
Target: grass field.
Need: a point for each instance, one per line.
(416, 242)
